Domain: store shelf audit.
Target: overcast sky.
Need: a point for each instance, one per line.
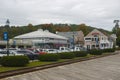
(96, 13)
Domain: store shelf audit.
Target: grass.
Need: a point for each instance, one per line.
(3, 69)
(31, 64)
(39, 63)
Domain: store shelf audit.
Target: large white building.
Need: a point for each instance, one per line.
(41, 39)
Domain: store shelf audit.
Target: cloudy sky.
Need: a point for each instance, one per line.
(96, 13)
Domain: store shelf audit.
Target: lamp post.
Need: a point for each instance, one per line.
(7, 38)
(73, 40)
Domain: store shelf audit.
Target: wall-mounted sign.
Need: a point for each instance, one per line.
(95, 33)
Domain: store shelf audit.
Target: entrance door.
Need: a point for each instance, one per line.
(88, 47)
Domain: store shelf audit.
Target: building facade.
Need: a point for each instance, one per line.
(76, 38)
(41, 39)
(97, 40)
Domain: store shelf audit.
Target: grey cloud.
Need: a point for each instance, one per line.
(98, 13)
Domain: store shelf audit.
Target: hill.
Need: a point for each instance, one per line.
(18, 30)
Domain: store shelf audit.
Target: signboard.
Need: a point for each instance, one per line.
(95, 33)
(5, 36)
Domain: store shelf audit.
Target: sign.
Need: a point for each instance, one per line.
(5, 36)
(95, 33)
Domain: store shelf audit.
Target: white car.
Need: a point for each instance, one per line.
(14, 53)
(50, 50)
(11, 53)
(64, 49)
(2, 53)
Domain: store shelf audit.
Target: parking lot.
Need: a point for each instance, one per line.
(106, 68)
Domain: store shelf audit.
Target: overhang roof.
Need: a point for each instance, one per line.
(39, 33)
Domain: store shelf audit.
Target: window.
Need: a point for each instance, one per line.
(87, 38)
(97, 45)
(92, 39)
(93, 46)
(102, 38)
(95, 35)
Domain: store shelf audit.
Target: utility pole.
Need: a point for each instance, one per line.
(73, 40)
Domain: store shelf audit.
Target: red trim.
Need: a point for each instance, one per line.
(95, 33)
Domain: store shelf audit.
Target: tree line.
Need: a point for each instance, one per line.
(18, 30)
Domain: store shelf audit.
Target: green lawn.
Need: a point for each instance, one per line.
(31, 64)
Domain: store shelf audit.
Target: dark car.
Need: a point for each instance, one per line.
(31, 55)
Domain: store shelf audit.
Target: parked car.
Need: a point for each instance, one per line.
(37, 51)
(11, 53)
(50, 50)
(64, 49)
(42, 51)
(76, 49)
(12, 49)
(31, 55)
(2, 53)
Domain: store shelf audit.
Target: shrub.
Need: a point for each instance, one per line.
(80, 53)
(67, 55)
(49, 57)
(0, 60)
(14, 61)
(118, 48)
(95, 52)
(109, 50)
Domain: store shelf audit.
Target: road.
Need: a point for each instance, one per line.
(106, 68)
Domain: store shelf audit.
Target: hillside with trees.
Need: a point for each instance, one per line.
(18, 30)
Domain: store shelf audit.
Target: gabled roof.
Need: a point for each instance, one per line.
(95, 31)
(70, 34)
(40, 33)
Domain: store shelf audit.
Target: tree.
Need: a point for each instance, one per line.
(118, 32)
(115, 29)
(118, 41)
(83, 28)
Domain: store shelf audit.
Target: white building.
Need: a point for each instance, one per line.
(97, 40)
(41, 39)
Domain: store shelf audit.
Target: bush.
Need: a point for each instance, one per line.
(67, 55)
(14, 61)
(109, 50)
(0, 60)
(95, 52)
(118, 48)
(49, 57)
(80, 53)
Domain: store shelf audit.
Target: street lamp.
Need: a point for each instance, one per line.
(6, 35)
(73, 40)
